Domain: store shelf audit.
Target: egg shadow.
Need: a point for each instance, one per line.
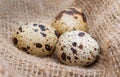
(93, 64)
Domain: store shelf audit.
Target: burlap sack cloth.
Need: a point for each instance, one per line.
(6, 70)
(103, 17)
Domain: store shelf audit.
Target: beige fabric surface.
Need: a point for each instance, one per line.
(103, 17)
(6, 70)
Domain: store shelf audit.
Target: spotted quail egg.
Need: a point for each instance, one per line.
(36, 38)
(70, 19)
(77, 48)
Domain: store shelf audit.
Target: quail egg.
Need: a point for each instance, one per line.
(70, 19)
(36, 38)
(77, 48)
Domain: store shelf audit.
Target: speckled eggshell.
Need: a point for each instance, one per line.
(36, 38)
(70, 19)
(77, 48)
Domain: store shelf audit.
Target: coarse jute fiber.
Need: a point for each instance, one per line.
(6, 70)
(103, 17)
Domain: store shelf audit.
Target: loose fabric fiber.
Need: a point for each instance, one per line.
(103, 18)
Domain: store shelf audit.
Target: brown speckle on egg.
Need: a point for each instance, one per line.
(74, 28)
(42, 27)
(28, 47)
(72, 11)
(75, 17)
(48, 47)
(35, 30)
(69, 12)
(87, 63)
(59, 15)
(74, 44)
(34, 24)
(84, 17)
(43, 34)
(81, 34)
(15, 41)
(24, 49)
(62, 48)
(43, 50)
(74, 51)
(81, 46)
(97, 57)
(75, 61)
(69, 58)
(17, 32)
(63, 56)
(95, 49)
(75, 57)
(26, 24)
(20, 29)
(55, 21)
(88, 58)
(38, 45)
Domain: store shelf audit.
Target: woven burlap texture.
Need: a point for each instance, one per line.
(6, 70)
(103, 17)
